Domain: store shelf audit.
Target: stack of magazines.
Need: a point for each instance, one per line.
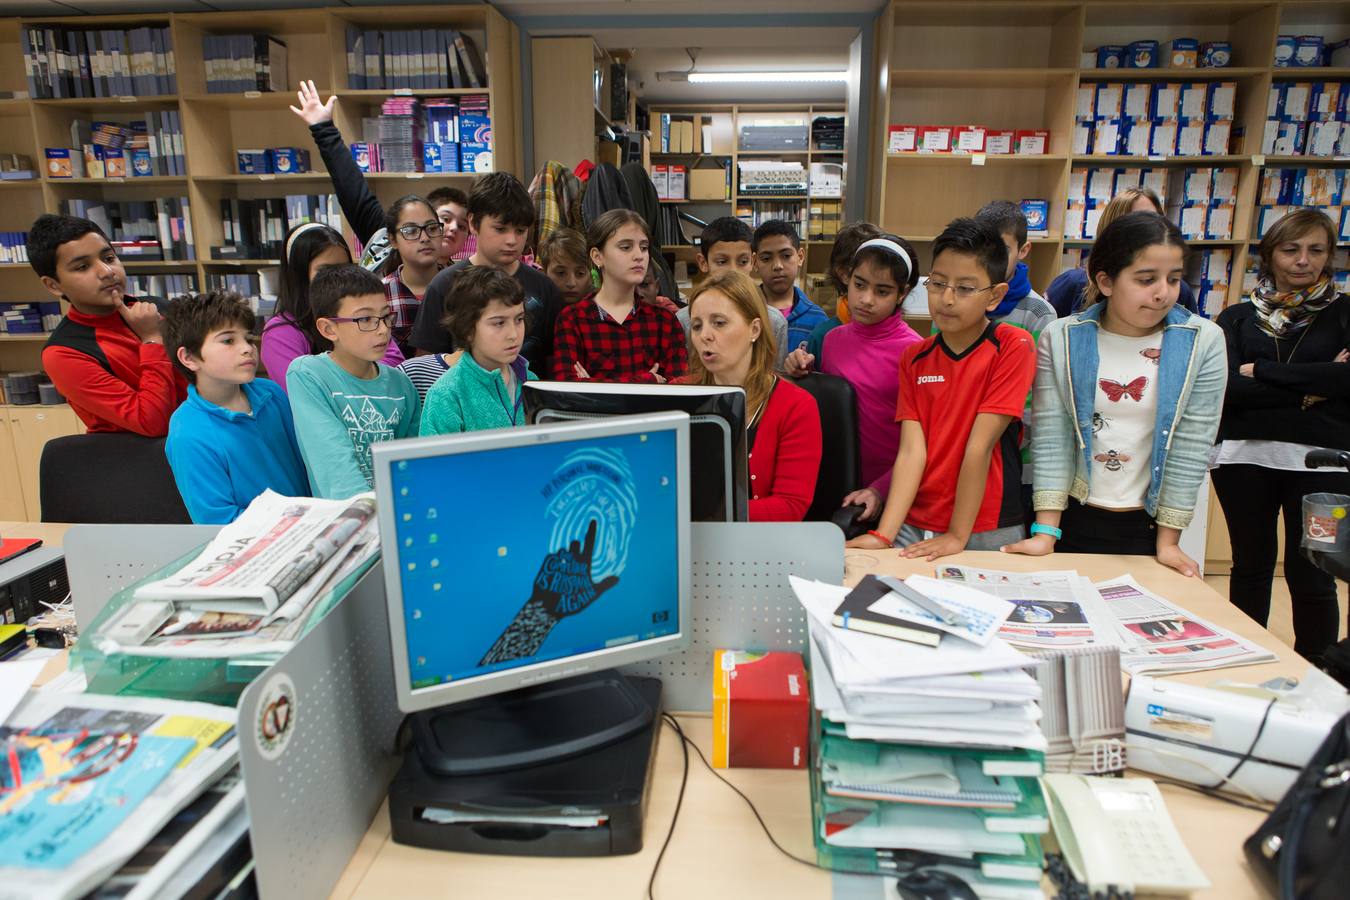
(119, 796)
(927, 756)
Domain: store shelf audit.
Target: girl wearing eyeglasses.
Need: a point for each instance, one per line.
(413, 261)
(1127, 400)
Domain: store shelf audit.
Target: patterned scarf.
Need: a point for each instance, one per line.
(1281, 315)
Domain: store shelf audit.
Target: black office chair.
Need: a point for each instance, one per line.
(112, 478)
(840, 468)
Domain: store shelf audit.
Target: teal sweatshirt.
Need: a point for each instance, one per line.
(338, 417)
(470, 398)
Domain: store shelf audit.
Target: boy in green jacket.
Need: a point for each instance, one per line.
(485, 314)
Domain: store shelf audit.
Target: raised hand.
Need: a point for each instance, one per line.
(312, 109)
(564, 584)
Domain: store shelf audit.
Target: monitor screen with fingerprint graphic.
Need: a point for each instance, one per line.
(514, 556)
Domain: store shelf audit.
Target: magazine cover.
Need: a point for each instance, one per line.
(539, 552)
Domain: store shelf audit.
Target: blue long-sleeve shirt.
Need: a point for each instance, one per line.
(339, 417)
(222, 459)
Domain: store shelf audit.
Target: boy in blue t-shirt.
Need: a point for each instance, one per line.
(346, 400)
(777, 250)
(233, 437)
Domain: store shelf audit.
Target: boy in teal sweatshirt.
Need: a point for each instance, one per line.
(346, 400)
(233, 437)
(485, 313)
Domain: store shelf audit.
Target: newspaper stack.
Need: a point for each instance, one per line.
(1063, 610)
(256, 587)
(926, 750)
(90, 779)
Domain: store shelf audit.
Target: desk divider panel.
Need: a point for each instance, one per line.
(317, 729)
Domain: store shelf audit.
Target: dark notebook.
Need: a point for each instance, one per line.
(854, 614)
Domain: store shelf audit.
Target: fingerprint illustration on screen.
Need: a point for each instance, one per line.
(595, 485)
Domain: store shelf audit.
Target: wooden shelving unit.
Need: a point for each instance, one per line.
(725, 121)
(214, 127)
(1019, 65)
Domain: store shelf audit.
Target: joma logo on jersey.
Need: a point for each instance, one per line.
(931, 379)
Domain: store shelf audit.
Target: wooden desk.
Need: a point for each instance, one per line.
(51, 533)
(718, 849)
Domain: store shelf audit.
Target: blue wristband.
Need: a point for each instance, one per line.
(1038, 528)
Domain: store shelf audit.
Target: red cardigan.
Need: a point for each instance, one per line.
(785, 458)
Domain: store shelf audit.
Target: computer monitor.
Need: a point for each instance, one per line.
(718, 448)
(516, 558)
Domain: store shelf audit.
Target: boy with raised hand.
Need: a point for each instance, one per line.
(777, 250)
(500, 217)
(956, 482)
(346, 400)
(725, 244)
(106, 357)
(1021, 306)
(234, 436)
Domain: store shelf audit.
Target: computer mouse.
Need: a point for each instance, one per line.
(933, 884)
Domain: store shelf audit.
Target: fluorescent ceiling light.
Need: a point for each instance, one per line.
(764, 77)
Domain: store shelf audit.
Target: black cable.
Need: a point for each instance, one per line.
(1211, 792)
(1250, 750)
(668, 719)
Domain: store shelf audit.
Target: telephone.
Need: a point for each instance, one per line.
(1116, 832)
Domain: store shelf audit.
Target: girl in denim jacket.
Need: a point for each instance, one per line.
(1127, 400)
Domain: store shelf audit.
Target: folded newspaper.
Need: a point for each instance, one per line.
(1166, 638)
(255, 587)
(91, 778)
(1053, 609)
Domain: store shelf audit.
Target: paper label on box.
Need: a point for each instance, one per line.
(970, 140)
(903, 139)
(937, 140)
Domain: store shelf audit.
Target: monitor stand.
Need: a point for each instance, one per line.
(530, 726)
(563, 769)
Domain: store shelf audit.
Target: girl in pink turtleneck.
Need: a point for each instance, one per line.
(866, 353)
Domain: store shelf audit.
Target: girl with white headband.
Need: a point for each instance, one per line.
(866, 353)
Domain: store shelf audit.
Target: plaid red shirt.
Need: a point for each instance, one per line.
(403, 303)
(618, 351)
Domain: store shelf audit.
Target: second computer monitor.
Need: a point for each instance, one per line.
(719, 478)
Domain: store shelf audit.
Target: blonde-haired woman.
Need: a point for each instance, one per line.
(731, 343)
(1066, 292)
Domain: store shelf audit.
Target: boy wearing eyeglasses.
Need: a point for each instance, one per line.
(345, 400)
(234, 436)
(956, 484)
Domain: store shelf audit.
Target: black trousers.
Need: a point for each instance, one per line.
(1090, 529)
(1252, 498)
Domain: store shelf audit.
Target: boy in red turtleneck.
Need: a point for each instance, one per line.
(106, 357)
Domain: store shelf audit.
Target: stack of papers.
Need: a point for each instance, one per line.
(90, 779)
(256, 588)
(926, 749)
(1051, 609)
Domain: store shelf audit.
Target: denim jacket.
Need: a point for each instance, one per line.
(1192, 376)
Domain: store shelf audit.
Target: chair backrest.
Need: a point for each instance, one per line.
(840, 469)
(109, 478)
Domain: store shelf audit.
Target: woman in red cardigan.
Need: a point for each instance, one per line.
(731, 343)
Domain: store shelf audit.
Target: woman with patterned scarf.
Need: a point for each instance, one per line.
(1288, 393)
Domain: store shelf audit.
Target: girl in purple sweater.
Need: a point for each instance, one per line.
(292, 331)
(866, 353)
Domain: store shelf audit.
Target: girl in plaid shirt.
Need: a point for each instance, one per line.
(415, 233)
(609, 336)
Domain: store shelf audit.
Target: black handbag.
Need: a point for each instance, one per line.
(1302, 850)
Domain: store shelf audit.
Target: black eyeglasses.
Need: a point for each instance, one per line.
(413, 232)
(366, 323)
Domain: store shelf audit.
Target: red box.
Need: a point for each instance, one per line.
(1032, 142)
(902, 138)
(935, 138)
(999, 142)
(968, 139)
(761, 710)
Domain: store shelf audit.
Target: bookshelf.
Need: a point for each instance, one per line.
(1020, 65)
(725, 122)
(214, 126)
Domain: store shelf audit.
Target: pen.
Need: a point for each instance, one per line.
(923, 601)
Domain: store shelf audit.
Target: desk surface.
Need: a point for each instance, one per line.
(718, 848)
